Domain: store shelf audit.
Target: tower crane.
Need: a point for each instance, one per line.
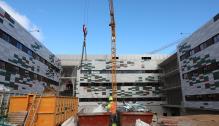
(113, 51)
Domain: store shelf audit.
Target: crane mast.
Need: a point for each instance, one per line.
(113, 50)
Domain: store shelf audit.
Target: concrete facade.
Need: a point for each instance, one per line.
(138, 79)
(26, 65)
(198, 57)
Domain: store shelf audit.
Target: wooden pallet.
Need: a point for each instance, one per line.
(17, 117)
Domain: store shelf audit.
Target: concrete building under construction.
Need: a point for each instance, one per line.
(26, 65)
(199, 68)
(171, 86)
(138, 79)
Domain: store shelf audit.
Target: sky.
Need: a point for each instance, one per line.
(142, 26)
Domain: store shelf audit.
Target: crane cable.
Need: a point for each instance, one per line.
(86, 5)
(84, 49)
(168, 45)
(84, 29)
(84, 46)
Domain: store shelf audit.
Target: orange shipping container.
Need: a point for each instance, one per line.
(52, 110)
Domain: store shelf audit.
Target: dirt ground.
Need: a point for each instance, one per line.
(192, 120)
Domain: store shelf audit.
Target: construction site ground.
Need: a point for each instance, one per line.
(190, 120)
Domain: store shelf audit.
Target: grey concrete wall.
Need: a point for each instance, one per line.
(18, 58)
(207, 82)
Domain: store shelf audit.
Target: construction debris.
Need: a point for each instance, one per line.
(99, 108)
(141, 123)
(133, 107)
(72, 121)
